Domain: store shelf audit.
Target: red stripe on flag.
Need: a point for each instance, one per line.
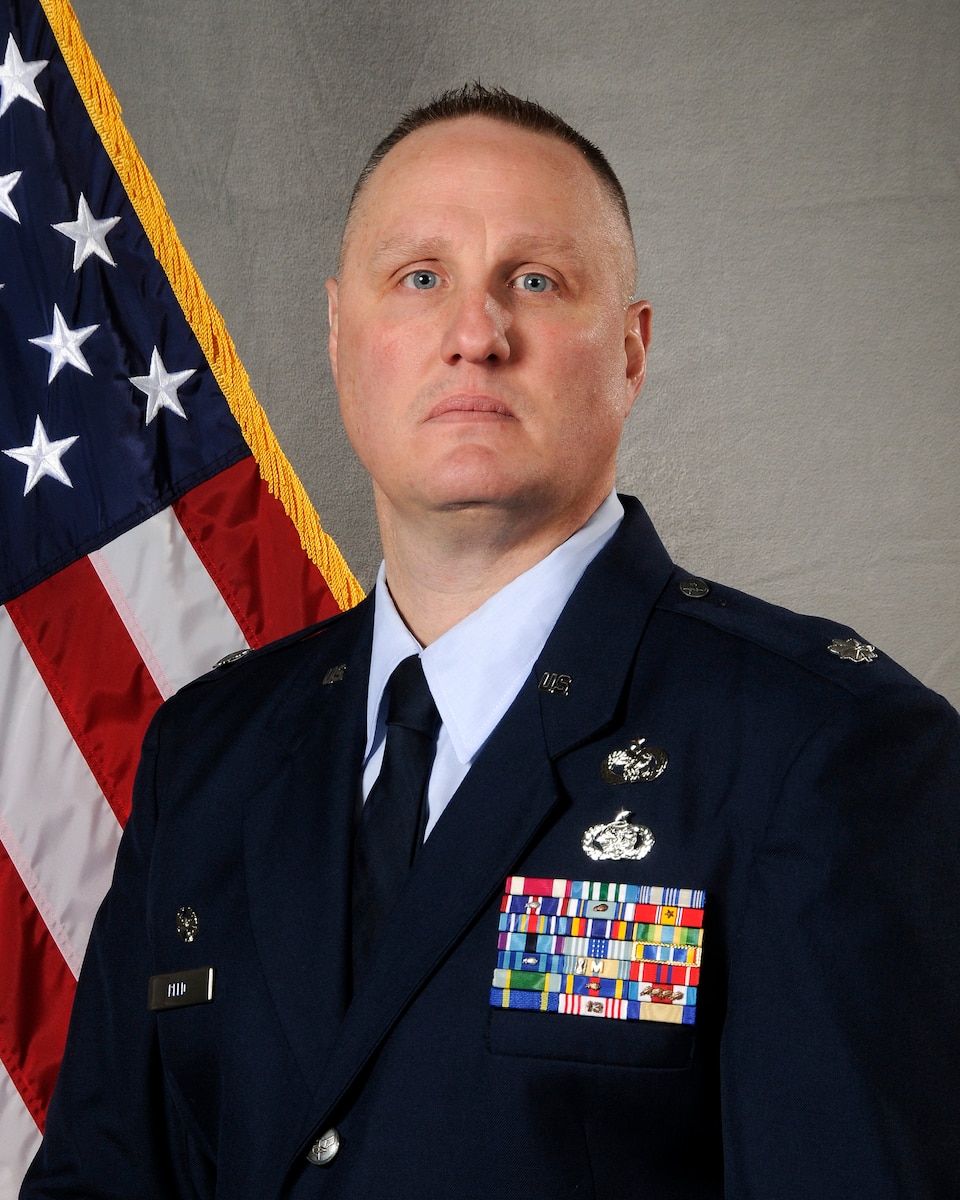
(252, 552)
(94, 673)
(36, 994)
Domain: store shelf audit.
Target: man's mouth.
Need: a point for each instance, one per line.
(467, 407)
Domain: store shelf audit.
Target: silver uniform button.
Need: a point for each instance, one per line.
(696, 589)
(227, 659)
(325, 1149)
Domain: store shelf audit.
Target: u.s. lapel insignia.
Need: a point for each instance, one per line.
(618, 839)
(639, 762)
(556, 683)
(852, 650)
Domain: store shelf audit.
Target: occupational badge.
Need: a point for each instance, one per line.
(618, 839)
(639, 762)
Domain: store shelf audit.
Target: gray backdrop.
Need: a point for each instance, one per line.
(793, 173)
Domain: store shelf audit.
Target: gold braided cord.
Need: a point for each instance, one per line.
(201, 313)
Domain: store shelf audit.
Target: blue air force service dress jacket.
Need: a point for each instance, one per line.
(762, 1006)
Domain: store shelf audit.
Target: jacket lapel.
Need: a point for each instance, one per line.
(596, 639)
(298, 834)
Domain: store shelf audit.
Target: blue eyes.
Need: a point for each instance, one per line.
(529, 281)
(423, 281)
(532, 282)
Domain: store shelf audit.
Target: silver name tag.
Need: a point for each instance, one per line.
(180, 989)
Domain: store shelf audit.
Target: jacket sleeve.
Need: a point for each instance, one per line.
(109, 1131)
(841, 1046)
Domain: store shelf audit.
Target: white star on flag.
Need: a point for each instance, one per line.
(7, 184)
(17, 77)
(42, 457)
(161, 386)
(63, 345)
(89, 234)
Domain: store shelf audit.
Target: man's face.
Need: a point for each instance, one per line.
(481, 338)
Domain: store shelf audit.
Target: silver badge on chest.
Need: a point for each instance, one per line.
(639, 763)
(618, 839)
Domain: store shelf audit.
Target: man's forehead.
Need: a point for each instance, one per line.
(410, 244)
(503, 160)
(478, 142)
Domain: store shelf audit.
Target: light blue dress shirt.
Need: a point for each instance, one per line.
(476, 669)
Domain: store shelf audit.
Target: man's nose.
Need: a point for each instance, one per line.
(477, 329)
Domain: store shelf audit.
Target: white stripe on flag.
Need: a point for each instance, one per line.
(57, 827)
(170, 606)
(19, 1138)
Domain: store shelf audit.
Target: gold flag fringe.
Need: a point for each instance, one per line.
(201, 313)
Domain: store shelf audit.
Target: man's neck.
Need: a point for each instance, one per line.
(446, 566)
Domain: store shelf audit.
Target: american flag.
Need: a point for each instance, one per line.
(139, 542)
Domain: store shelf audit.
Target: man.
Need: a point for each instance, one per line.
(683, 919)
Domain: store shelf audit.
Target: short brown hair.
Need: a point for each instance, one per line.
(475, 100)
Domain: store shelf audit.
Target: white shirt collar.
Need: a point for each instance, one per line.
(476, 669)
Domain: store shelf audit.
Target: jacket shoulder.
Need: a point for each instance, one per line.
(817, 646)
(254, 671)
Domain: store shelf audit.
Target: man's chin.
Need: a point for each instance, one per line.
(487, 494)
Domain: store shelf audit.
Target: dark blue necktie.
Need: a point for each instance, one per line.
(394, 815)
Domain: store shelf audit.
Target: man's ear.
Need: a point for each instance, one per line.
(637, 325)
(332, 319)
